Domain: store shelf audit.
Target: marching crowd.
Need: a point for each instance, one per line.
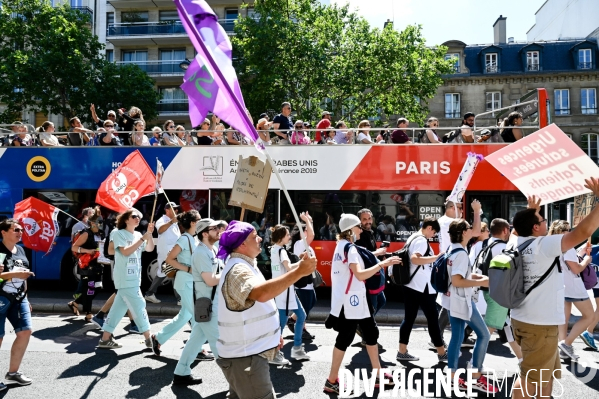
(130, 128)
(230, 305)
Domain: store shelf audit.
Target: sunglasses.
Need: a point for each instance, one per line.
(105, 125)
(541, 221)
(214, 228)
(170, 127)
(18, 230)
(134, 216)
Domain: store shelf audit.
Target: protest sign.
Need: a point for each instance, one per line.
(583, 205)
(251, 184)
(547, 164)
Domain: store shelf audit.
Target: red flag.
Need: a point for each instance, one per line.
(40, 226)
(131, 181)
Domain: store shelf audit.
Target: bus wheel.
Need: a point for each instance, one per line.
(69, 278)
(151, 273)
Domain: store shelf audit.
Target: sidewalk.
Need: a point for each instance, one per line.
(55, 302)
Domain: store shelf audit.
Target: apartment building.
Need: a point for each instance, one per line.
(492, 76)
(149, 33)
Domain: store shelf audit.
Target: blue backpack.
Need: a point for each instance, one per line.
(440, 278)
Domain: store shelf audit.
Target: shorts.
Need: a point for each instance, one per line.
(496, 314)
(17, 313)
(539, 351)
(596, 292)
(575, 299)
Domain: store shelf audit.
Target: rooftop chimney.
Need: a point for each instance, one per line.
(499, 34)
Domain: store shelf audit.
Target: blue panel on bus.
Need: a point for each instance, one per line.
(48, 268)
(68, 168)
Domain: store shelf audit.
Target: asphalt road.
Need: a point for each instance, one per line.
(63, 362)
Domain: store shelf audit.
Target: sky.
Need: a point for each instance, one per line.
(470, 21)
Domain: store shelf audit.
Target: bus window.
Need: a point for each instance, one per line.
(397, 215)
(516, 203)
(490, 203)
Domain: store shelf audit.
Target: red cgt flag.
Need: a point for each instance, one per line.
(40, 226)
(131, 181)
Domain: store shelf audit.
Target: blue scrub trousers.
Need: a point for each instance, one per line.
(200, 332)
(181, 319)
(132, 299)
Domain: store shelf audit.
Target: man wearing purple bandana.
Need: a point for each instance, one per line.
(248, 320)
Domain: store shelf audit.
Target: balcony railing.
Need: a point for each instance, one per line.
(157, 67)
(532, 67)
(173, 107)
(491, 68)
(589, 110)
(157, 28)
(562, 111)
(585, 65)
(85, 10)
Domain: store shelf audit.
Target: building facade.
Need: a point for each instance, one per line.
(492, 76)
(564, 19)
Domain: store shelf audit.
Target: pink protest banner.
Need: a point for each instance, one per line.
(547, 164)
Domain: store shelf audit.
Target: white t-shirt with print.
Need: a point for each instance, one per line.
(573, 284)
(458, 263)
(298, 249)
(422, 278)
(278, 269)
(545, 304)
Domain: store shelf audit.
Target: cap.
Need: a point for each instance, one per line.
(222, 223)
(263, 115)
(326, 113)
(111, 112)
(203, 224)
(307, 124)
(171, 205)
(348, 221)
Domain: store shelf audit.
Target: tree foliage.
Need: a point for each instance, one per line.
(50, 61)
(309, 54)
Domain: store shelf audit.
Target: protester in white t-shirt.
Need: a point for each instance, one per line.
(287, 301)
(168, 234)
(462, 309)
(307, 294)
(574, 291)
(419, 293)
(535, 322)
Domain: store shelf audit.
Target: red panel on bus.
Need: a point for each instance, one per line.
(415, 167)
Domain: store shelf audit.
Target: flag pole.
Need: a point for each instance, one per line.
(183, 13)
(68, 214)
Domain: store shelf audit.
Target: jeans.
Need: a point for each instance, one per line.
(444, 321)
(299, 323)
(457, 336)
(307, 298)
(377, 301)
(17, 313)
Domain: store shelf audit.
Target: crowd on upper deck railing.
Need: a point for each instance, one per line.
(129, 128)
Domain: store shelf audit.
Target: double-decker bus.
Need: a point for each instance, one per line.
(400, 184)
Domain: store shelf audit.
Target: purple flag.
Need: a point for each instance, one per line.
(211, 82)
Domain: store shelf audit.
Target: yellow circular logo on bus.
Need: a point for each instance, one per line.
(38, 169)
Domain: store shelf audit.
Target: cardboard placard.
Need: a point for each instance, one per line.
(583, 205)
(251, 184)
(547, 164)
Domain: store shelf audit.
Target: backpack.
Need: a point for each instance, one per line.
(400, 274)
(293, 258)
(452, 136)
(376, 283)
(422, 137)
(440, 278)
(589, 276)
(483, 260)
(106, 245)
(506, 277)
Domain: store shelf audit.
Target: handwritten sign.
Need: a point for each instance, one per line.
(583, 205)
(547, 164)
(251, 184)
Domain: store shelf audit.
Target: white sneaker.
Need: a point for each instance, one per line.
(298, 353)
(279, 360)
(152, 298)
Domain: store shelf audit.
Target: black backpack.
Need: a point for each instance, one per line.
(293, 258)
(451, 136)
(400, 274)
(483, 260)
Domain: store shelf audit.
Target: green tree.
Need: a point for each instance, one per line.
(51, 62)
(309, 54)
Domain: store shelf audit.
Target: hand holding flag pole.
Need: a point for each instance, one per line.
(209, 89)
